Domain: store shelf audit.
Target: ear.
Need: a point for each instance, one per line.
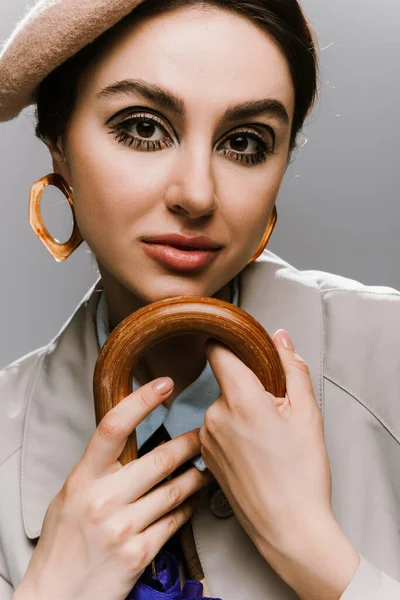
(59, 159)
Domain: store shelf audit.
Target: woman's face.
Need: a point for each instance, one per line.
(181, 127)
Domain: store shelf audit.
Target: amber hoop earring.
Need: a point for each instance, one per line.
(60, 251)
(266, 237)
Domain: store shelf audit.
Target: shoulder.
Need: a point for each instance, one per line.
(356, 318)
(363, 319)
(338, 294)
(359, 330)
(16, 380)
(325, 283)
(361, 344)
(361, 323)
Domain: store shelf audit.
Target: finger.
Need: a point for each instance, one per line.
(142, 548)
(158, 534)
(209, 447)
(167, 497)
(298, 380)
(223, 363)
(109, 439)
(138, 477)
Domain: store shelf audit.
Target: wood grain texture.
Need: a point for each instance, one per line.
(220, 320)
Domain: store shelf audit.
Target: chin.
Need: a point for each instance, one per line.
(161, 288)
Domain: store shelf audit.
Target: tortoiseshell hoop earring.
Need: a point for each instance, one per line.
(266, 237)
(60, 251)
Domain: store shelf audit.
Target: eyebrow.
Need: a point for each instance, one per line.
(268, 107)
(167, 100)
(150, 91)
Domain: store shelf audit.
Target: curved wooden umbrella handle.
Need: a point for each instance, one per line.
(217, 319)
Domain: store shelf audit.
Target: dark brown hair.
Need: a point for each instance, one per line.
(282, 19)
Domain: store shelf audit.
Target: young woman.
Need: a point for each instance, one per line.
(170, 126)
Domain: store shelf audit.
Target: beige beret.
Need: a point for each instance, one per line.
(51, 32)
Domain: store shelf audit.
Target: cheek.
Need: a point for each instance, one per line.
(249, 196)
(114, 186)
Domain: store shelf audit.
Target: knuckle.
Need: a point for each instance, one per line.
(111, 427)
(97, 510)
(174, 495)
(145, 551)
(144, 399)
(211, 421)
(163, 461)
(203, 436)
(300, 364)
(172, 524)
(136, 554)
(71, 488)
(67, 492)
(187, 510)
(118, 532)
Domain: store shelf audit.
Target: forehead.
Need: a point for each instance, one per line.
(209, 57)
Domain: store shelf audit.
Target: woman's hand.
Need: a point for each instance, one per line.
(107, 522)
(269, 456)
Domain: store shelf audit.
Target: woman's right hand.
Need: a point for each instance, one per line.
(107, 523)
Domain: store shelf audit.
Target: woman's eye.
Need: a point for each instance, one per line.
(146, 130)
(143, 133)
(242, 143)
(247, 147)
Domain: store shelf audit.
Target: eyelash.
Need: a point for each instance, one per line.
(255, 158)
(127, 139)
(123, 137)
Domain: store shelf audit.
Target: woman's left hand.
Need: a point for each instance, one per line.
(268, 455)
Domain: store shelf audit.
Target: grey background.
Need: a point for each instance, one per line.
(339, 208)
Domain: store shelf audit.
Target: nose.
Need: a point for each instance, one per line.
(192, 189)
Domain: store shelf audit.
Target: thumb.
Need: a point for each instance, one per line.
(298, 380)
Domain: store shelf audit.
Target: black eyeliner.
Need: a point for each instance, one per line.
(238, 128)
(130, 110)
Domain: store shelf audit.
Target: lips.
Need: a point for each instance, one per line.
(183, 242)
(181, 253)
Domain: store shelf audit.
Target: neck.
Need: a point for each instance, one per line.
(181, 357)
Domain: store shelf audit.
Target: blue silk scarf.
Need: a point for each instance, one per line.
(165, 584)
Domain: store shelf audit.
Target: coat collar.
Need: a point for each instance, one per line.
(60, 415)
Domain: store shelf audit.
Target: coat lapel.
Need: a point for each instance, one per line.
(60, 415)
(60, 419)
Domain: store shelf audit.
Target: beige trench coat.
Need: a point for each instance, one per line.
(350, 337)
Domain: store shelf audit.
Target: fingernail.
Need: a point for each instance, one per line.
(286, 340)
(164, 385)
